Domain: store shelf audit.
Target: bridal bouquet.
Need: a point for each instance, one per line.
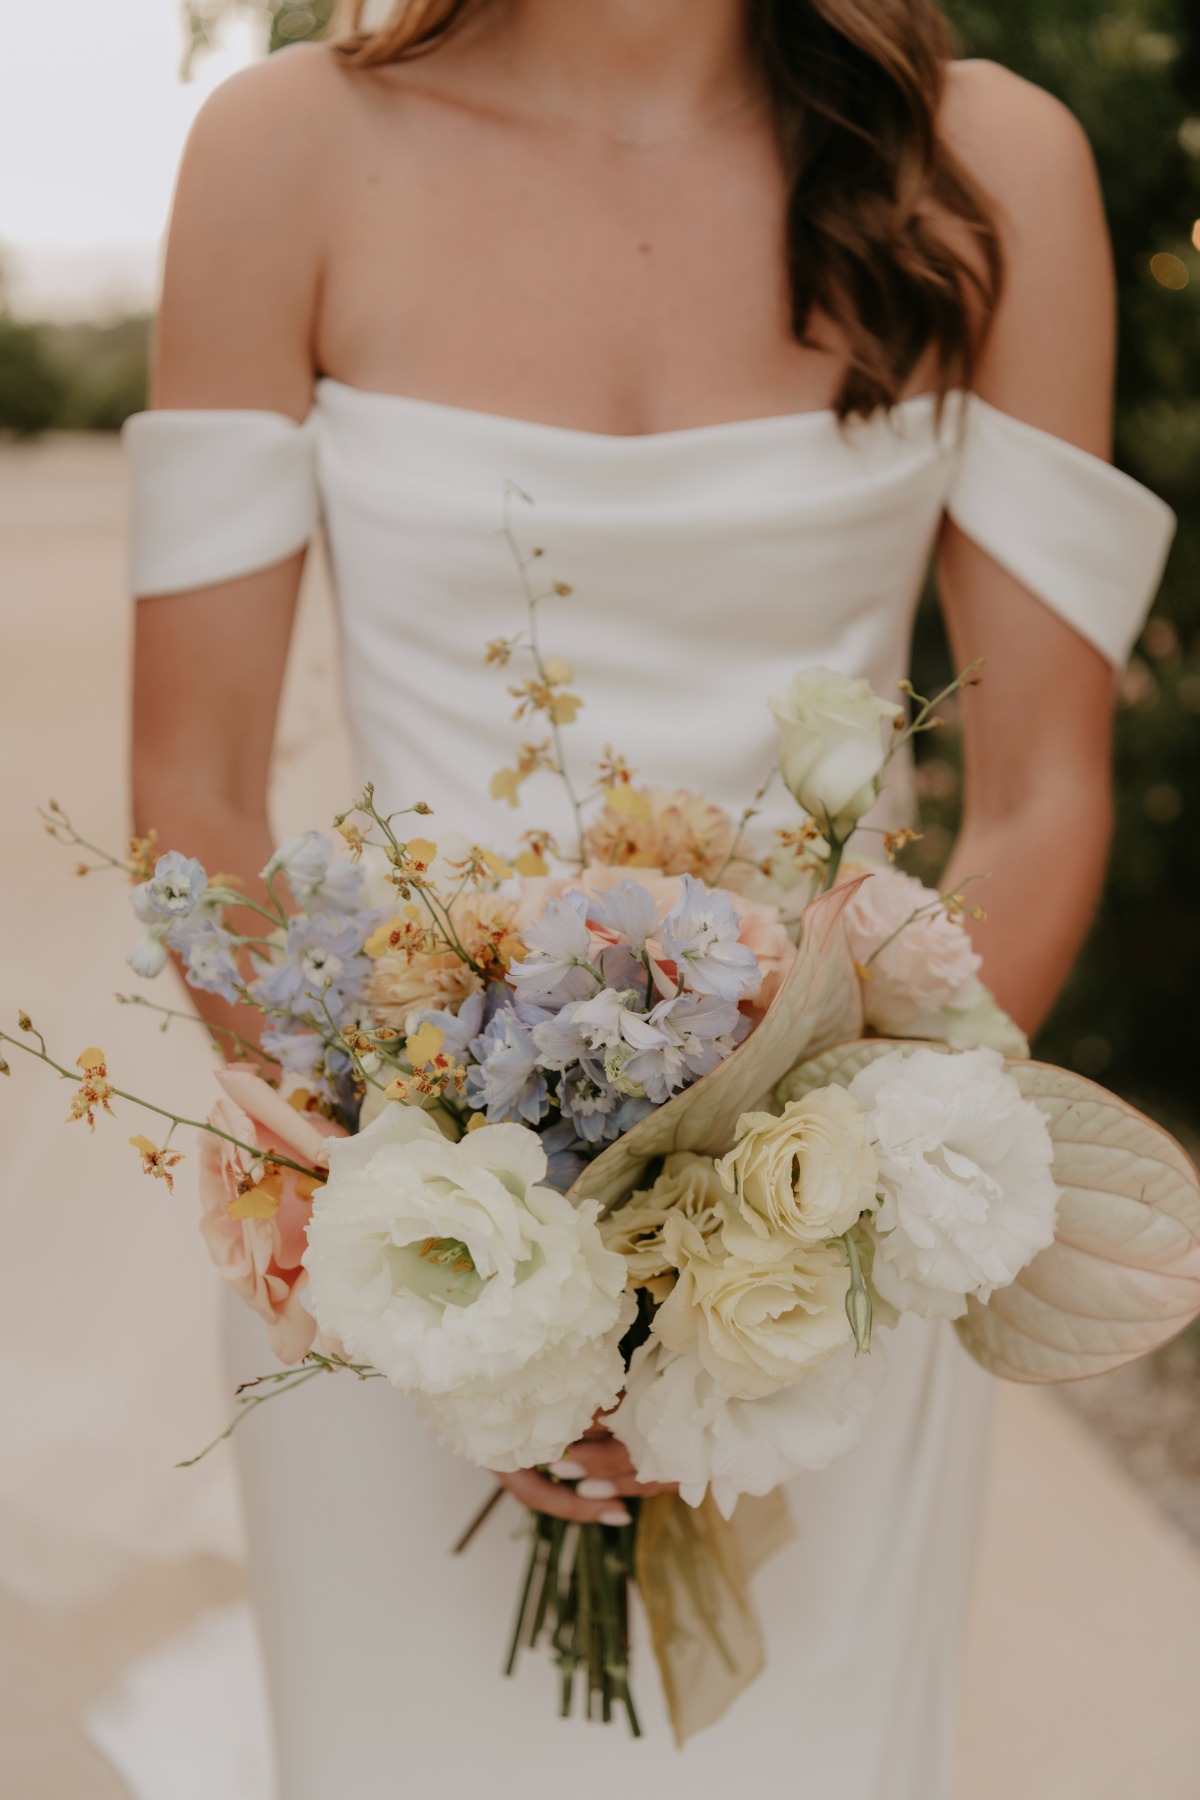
(661, 1132)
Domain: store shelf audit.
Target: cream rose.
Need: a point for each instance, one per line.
(756, 1315)
(807, 1174)
(453, 1269)
(831, 749)
(689, 1188)
(965, 1169)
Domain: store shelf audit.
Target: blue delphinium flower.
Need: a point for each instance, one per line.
(207, 950)
(322, 961)
(559, 949)
(595, 1108)
(567, 1156)
(628, 909)
(700, 936)
(172, 891)
(505, 1080)
(679, 1041)
(323, 1068)
(318, 882)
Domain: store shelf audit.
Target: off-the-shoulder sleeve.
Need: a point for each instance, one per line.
(1089, 541)
(216, 495)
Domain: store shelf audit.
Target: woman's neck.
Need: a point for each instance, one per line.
(640, 69)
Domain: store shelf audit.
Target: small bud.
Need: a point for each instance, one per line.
(53, 806)
(424, 810)
(4, 1068)
(80, 869)
(539, 551)
(563, 588)
(858, 1301)
(24, 1020)
(858, 1311)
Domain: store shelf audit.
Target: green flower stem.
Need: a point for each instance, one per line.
(439, 915)
(77, 1076)
(923, 719)
(214, 1031)
(58, 821)
(531, 603)
(281, 1381)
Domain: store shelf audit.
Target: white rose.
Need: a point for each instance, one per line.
(831, 749)
(688, 1186)
(450, 1264)
(808, 1173)
(919, 968)
(757, 1313)
(965, 1172)
(679, 1425)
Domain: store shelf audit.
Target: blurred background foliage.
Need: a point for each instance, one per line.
(1130, 70)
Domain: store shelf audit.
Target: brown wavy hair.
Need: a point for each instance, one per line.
(887, 234)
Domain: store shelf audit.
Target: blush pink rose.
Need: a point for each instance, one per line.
(260, 1258)
(760, 924)
(926, 966)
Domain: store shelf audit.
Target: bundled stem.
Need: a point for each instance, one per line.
(575, 1595)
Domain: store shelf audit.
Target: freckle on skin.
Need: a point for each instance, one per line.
(643, 248)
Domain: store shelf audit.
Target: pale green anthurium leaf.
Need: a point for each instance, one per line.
(1123, 1274)
(819, 1003)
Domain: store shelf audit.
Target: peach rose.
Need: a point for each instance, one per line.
(260, 1256)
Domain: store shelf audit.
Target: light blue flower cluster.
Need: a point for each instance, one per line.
(310, 973)
(591, 1031)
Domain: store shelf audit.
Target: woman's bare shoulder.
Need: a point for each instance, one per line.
(1019, 142)
(248, 228)
(1049, 351)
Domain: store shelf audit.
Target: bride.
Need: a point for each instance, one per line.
(762, 302)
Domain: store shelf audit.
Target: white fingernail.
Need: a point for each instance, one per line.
(594, 1489)
(566, 1470)
(616, 1515)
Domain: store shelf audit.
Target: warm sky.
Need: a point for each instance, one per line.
(92, 120)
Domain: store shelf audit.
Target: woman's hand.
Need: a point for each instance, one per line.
(593, 1477)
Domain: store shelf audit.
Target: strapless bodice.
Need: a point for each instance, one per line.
(705, 565)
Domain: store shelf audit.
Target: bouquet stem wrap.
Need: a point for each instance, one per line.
(693, 1570)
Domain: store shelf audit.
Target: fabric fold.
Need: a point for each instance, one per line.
(1086, 539)
(216, 495)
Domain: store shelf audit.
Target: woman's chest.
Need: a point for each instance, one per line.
(622, 293)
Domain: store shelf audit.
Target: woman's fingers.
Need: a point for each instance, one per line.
(538, 1492)
(603, 1459)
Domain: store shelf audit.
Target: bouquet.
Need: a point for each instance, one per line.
(659, 1133)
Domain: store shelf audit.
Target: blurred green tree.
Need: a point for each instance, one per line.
(33, 386)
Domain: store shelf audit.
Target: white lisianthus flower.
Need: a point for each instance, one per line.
(455, 1272)
(679, 1424)
(531, 1417)
(807, 1173)
(916, 960)
(756, 1313)
(831, 748)
(965, 1170)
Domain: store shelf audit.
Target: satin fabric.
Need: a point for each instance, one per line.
(705, 566)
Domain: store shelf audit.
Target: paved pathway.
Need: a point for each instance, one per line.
(1084, 1662)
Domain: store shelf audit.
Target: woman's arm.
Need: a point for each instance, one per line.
(1038, 727)
(234, 331)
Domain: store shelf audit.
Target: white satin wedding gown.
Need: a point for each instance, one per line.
(707, 565)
